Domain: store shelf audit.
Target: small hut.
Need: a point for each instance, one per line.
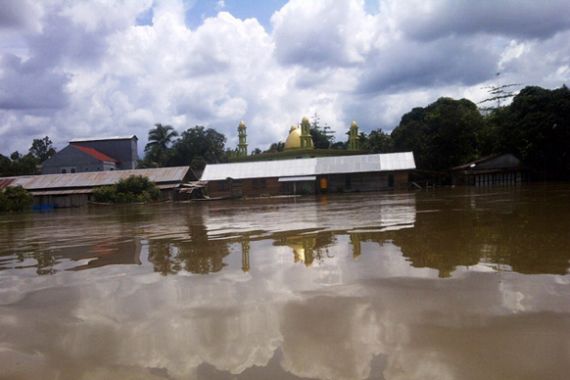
(494, 170)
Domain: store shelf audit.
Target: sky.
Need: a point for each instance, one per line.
(95, 68)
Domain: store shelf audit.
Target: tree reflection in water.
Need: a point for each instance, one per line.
(522, 230)
(509, 230)
(195, 254)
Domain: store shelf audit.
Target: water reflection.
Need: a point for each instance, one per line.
(308, 248)
(194, 253)
(517, 231)
(508, 230)
(436, 285)
(363, 330)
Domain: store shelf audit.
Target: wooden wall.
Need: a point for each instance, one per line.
(337, 183)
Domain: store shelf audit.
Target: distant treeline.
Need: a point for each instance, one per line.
(25, 164)
(534, 127)
(194, 147)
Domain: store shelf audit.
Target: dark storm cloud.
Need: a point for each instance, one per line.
(312, 51)
(39, 81)
(25, 85)
(408, 65)
(63, 41)
(515, 18)
(16, 14)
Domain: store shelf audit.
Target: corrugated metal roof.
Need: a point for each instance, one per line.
(349, 164)
(260, 169)
(397, 161)
(91, 179)
(84, 191)
(103, 138)
(311, 166)
(5, 182)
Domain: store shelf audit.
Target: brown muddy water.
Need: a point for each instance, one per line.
(451, 284)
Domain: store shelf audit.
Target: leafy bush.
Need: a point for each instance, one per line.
(15, 199)
(135, 188)
(105, 194)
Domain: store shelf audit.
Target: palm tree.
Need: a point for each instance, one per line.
(160, 139)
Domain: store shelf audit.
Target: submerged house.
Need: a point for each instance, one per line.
(92, 155)
(300, 168)
(74, 190)
(497, 169)
(364, 172)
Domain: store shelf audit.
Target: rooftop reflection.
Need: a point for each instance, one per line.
(441, 285)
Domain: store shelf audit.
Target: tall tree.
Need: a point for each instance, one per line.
(42, 149)
(536, 128)
(160, 139)
(5, 166)
(276, 147)
(376, 142)
(322, 135)
(18, 164)
(200, 145)
(442, 135)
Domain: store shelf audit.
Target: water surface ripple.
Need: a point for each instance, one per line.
(450, 284)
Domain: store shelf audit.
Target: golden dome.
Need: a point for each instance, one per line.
(294, 139)
(354, 125)
(241, 125)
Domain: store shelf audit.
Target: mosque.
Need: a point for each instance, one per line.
(302, 169)
(298, 144)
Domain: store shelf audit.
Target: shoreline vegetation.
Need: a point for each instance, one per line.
(447, 133)
(535, 127)
(13, 199)
(133, 189)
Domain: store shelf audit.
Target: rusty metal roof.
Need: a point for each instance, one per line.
(103, 138)
(311, 166)
(5, 182)
(85, 191)
(159, 176)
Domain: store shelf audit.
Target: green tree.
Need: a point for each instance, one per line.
(5, 166)
(135, 188)
(376, 142)
(442, 135)
(160, 140)
(339, 145)
(322, 136)
(198, 143)
(15, 199)
(22, 164)
(276, 147)
(536, 128)
(42, 149)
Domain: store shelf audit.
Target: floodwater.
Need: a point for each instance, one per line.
(450, 284)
